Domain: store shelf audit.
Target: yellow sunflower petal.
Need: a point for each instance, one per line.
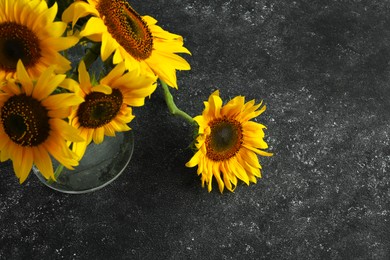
(109, 130)
(226, 179)
(164, 71)
(45, 16)
(25, 165)
(209, 176)
(253, 126)
(57, 101)
(230, 172)
(194, 160)
(108, 46)
(84, 78)
(24, 78)
(57, 28)
(239, 170)
(103, 89)
(43, 162)
(60, 44)
(215, 105)
(149, 20)
(119, 127)
(251, 113)
(217, 175)
(65, 130)
(93, 26)
(251, 172)
(250, 157)
(170, 46)
(258, 151)
(77, 10)
(115, 73)
(51, 12)
(98, 135)
(11, 88)
(59, 151)
(47, 83)
(117, 58)
(255, 141)
(163, 57)
(79, 148)
(60, 112)
(70, 85)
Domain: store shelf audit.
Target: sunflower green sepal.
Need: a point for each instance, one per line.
(195, 135)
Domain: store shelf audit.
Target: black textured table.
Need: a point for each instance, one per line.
(321, 67)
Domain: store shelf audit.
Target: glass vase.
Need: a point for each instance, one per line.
(100, 165)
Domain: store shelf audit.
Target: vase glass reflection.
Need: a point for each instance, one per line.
(100, 165)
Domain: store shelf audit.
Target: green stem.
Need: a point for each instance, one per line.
(172, 106)
(57, 173)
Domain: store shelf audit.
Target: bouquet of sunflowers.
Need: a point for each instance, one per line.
(51, 109)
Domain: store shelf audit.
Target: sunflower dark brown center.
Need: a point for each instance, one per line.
(99, 109)
(127, 27)
(25, 120)
(225, 139)
(17, 42)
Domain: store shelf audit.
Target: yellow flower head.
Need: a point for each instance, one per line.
(28, 33)
(106, 108)
(228, 142)
(32, 125)
(132, 38)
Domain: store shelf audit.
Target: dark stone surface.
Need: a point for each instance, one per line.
(322, 68)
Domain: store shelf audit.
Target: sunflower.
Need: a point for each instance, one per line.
(132, 38)
(227, 142)
(28, 33)
(106, 108)
(31, 123)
